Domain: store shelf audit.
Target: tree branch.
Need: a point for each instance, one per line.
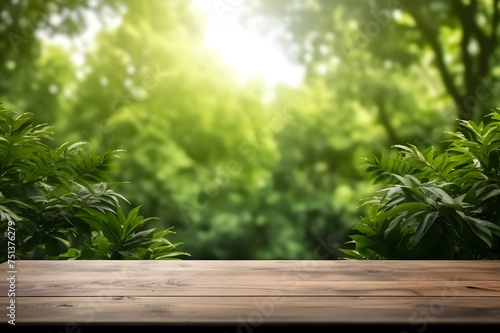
(466, 16)
(432, 38)
(490, 43)
(476, 66)
(385, 121)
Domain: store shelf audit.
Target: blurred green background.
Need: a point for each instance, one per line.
(245, 121)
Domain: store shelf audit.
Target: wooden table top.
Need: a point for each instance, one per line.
(249, 294)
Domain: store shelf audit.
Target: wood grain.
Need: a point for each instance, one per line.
(271, 291)
(258, 310)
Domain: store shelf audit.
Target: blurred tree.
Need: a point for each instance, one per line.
(383, 59)
(454, 41)
(31, 78)
(150, 87)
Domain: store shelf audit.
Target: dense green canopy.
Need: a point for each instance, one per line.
(236, 175)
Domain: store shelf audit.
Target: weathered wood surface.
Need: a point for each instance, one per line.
(255, 293)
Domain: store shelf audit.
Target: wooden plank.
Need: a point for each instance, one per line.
(273, 291)
(259, 286)
(341, 270)
(255, 311)
(240, 278)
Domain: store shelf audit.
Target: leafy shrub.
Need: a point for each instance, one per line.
(61, 200)
(435, 204)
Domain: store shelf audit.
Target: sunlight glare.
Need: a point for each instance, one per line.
(248, 53)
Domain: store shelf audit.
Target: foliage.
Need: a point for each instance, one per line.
(452, 43)
(244, 170)
(61, 201)
(435, 204)
(260, 180)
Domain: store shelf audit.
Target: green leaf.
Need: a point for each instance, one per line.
(22, 120)
(424, 226)
(394, 223)
(492, 194)
(110, 234)
(65, 242)
(115, 225)
(410, 206)
(363, 241)
(72, 253)
(470, 197)
(76, 145)
(352, 254)
(171, 255)
(102, 244)
(366, 228)
(91, 221)
(480, 230)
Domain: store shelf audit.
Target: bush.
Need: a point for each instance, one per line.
(60, 201)
(435, 204)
